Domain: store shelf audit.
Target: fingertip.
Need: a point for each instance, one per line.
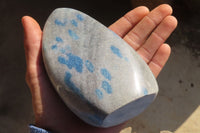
(172, 21)
(140, 11)
(166, 49)
(165, 9)
(143, 9)
(25, 19)
(136, 14)
(32, 34)
(160, 58)
(31, 27)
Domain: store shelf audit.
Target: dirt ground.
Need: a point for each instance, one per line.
(177, 107)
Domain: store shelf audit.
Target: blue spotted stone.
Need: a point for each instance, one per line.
(96, 73)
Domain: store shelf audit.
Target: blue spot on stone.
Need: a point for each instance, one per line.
(54, 47)
(116, 51)
(76, 62)
(74, 23)
(106, 73)
(145, 91)
(62, 50)
(73, 35)
(58, 39)
(89, 66)
(59, 23)
(79, 17)
(126, 59)
(107, 87)
(72, 62)
(99, 93)
(62, 60)
(71, 85)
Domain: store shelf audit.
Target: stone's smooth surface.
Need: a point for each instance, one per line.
(96, 73)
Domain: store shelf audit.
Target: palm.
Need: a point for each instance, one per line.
(144, 31)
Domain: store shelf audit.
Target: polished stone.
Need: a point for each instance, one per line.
(96, 73)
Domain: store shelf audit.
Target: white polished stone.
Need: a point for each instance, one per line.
(96, 73)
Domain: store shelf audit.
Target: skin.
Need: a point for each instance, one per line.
(143, 30)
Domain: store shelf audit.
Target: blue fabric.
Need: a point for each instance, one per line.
(34, 129)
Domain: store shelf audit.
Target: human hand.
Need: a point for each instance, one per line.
(143, 30)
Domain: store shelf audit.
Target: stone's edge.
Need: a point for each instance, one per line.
(106, 123)
(94, 116)
(103, 124)
(66, 8)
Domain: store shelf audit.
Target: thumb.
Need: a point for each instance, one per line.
(32, 41)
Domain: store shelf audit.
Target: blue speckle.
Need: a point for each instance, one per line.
(116, 51)
(71, 85)
(72, 62)
(54, 47)
(62, 60)
(59, 23)
(89, 66)
(126, 59)
(74, 23)
(99, 93)
(62, 50)
(58, 39)
(106, 73)
(79, 17)
(73, 35)
(76, 62)
(107, 87)
(145, 91)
